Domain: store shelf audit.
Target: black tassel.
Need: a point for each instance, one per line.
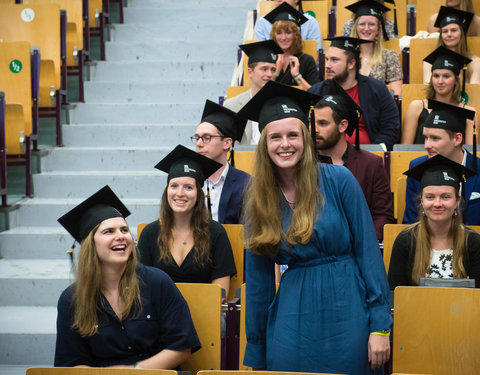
(312, 129)
(382, 21)
(463, 93)
(474, 147)
(357, 132)
(209, 202)
(395, 24)
(232, 157)
(70, 255)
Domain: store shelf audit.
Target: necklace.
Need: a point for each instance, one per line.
(289, 202)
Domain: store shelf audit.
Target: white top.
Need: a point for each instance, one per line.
(441, 264)
(215, 191)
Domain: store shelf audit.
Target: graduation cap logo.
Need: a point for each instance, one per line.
(446, 177)
(348, 44)
(187, 169)
(287, 109)
(447, 63)
(437, 120)
(373, 13)
(330, 99)
(273, 56)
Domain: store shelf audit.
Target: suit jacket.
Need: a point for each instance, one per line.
(380, 113)
(370, 173)
(472, 195)
(231, 200)
(235, 104)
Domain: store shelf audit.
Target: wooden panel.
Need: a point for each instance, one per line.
(400, 199)
(95, 371)
(243, 337)
(140, 228)
(343, 15)
(204, 301)
(95, 7)
(244, 161)
(40, 25)
(399, 162)
(435, 330)
(15, 82)
(246, 372)
(419, 49)
(233, 91)
(390, 232)
(425, 9)
(411, 92)
(235, 234)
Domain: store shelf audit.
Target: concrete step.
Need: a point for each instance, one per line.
(34, 282)
(16, 369)
(156, 91)
(27, 336)
(196, 32)
(76, 184)
(40, 212)
(107, 158)
(215, 14)
(175, 50)
(159, 70)
(188, 4)
(123, 135)
(39, 242)
(144, 113)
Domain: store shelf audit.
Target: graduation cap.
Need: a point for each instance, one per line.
(102, 205)
(447, 15)
(370, 8)
(265, 51)
(395, 23)
(347, 43)
(447, 116)
(285, 12)
(342, 103)
(440, 171)
(183, 162)
(276, 101)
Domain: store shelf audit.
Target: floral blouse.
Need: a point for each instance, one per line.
(389, 70)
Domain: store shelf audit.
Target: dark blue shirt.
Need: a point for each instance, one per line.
(163, 323)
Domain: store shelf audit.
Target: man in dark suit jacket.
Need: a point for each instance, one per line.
(380, 122)
(214, 138)
(335, 116)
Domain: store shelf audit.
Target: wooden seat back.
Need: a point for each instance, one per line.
(233, 91)
(40, 25)
(15, 81)
(390, 233)
(205, 303)
(235, 234)
(435, 330)
(400, 199)
(399, 162)
(425, 9)
(95, 371)
(419, 49)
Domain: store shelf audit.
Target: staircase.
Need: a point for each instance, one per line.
(162, 63)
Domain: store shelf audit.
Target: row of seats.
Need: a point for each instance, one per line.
(42, 41)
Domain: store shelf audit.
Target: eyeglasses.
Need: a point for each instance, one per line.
(205, 138)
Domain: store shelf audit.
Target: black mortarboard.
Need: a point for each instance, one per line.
(102, 205)
(347, 43)
(444, 58)
(448, 117)
(224, 119)
(276, 101)
(439, 171)
(265, 51)
(370, 8)
(447, 15)
(343, 105)
(183, 162)
(285, 12)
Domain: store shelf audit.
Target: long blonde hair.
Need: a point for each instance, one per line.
(377, 56)
(263, 197)
(421, 234)
(87, 296)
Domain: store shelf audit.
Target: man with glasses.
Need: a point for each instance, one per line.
(214, 138)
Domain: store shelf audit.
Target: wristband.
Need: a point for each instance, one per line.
(297, 77)
(385, 332)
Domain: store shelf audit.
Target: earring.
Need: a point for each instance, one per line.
(423, 213)
(455, 213)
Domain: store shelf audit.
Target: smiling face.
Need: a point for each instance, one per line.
(451, 35)
(285, 142)
(367, 27)
(113, 241)
(261, 74)
(439, 202)
(182, 194)
(284, 38)
(443, 81)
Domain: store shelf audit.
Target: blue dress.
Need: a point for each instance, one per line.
(333, 294)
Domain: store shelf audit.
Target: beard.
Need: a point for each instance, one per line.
(341, 77)
(329, 142)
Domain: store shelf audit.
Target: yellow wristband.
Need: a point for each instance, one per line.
(381, 333)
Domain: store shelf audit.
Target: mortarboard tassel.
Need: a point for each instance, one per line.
(382, 21)
(70, 254)
(474, 147)
(395, 24)
(312, 129)
(357, 133)
(232, 157)
(209, 202)
(463, 96)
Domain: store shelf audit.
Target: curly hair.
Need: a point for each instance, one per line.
(290, 26)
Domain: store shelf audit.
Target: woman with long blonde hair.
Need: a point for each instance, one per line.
(454, 25)
(438, 245)
(313, 218)
(375, 60)
(445, 86)
(118, 313)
